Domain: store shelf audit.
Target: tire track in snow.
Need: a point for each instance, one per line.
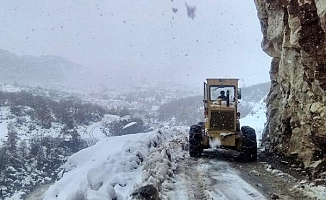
(210, 179)
(225, 183)
(190, 184)
(195, 183)
(91, 131)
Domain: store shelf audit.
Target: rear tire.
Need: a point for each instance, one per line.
(249, 148)
(201, 124)
(195, 139)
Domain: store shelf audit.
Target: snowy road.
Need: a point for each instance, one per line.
(206, 178)
(94, 131)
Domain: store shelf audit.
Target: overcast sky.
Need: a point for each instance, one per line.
(140, 40)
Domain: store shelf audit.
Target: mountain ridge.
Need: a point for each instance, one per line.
(44, 69)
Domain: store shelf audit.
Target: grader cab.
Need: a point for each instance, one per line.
(221, 126)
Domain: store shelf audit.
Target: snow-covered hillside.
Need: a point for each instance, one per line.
(256, 119)
(38, 133)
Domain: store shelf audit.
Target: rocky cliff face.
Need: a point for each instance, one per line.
(294, 35)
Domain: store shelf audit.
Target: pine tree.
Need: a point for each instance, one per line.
(13, 165)
(12, 139)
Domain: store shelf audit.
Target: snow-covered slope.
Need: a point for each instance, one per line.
(256, 118)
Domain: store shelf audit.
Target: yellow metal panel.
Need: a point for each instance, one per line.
(222, 81)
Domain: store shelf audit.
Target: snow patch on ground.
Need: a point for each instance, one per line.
(4, 111)
(129, 125)
(313, 191)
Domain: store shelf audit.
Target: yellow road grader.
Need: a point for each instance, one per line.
(221, 127)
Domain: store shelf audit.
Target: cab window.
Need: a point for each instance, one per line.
(220, 91)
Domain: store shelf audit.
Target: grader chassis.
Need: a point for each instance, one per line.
(222, 123)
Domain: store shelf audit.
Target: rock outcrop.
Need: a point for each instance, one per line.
(294, 36)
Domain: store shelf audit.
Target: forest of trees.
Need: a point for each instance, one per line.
(25, 165)
(45, 111)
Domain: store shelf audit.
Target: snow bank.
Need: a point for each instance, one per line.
(115, 166)
(158, 169)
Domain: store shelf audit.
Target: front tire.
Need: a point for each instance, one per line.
(195, 139)
(249, 145)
